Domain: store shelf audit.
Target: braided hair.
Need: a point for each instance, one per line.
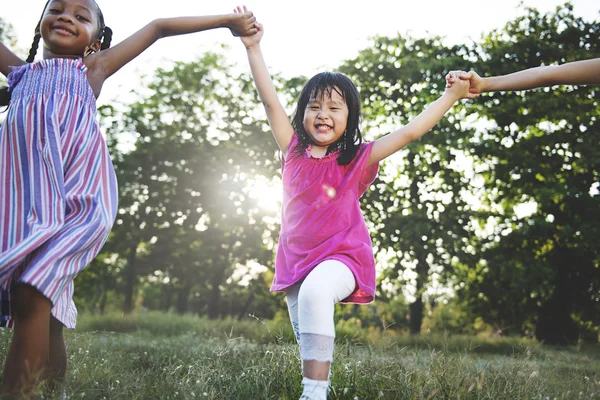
(104, 34)
(323, 84)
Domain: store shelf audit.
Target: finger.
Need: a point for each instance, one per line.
(245, 9)
(466, 75)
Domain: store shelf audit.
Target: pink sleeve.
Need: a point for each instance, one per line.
(369, 173)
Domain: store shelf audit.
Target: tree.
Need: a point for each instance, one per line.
(7, 34)
(184, 208)
(542, 149)
(416, 208)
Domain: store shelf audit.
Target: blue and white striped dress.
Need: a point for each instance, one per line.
(58, 189)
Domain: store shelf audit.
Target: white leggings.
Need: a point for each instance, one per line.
(311, 302)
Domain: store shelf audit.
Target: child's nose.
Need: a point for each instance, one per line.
(322, 114)
(65, 18)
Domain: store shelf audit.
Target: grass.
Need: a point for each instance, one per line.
(164, 356)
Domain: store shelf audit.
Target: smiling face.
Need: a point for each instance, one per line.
(326, 117)
(69, 28)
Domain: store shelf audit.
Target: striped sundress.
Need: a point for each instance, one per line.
(58, 189)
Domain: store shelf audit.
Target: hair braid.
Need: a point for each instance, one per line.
(34, 47)
(106, 38)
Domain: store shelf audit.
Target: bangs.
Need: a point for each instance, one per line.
(323, 85)
(320, 92)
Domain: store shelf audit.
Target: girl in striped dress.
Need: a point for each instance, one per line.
(58, 191)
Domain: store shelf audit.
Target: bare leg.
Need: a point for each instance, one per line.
(57, 358)
(28, 353)
(317, 370)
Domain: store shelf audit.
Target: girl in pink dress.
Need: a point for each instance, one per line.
(324, 254)
(58, 192)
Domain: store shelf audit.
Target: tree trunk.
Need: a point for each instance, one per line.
(555, 325)
(166, 295)
(183, 296)
(215, 295)
(416, 316)
(416, 308)
(243, 312)
(103, 301)
(130, 279)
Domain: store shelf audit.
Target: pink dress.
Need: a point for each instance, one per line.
(321, 219)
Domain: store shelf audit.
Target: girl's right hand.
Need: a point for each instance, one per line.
(254, 38)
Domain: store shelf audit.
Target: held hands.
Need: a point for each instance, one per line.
(459, 88)
(475, 81)
(243, 23)
(253, 39)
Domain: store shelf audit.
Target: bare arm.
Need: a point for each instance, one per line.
(573, 73)
(109, 61)
(391, 143)
(278, 119)
(585, 72)
(8, 59)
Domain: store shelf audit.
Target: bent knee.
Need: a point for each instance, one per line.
(315, 296)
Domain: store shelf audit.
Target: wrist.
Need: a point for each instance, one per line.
(451, 97)
(253, 47)
(226, 20)
(485, 85)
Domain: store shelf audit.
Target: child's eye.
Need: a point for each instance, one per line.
(82, 18)
(54, 10)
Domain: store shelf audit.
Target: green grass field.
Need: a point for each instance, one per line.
(163, 356)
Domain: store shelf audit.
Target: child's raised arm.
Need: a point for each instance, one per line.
(107, 62)
(8, 59)
(585, 72)
(278, 119)
(391, 143)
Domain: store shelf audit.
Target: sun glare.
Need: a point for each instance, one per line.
(266, 193)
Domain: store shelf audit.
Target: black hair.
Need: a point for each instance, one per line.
(104, 34)
(323, 84)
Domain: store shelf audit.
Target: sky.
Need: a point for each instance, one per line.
(301, 37)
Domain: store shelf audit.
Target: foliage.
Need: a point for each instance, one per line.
(542, 148)
(186, 218)
(417, 211)
(445, 213)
